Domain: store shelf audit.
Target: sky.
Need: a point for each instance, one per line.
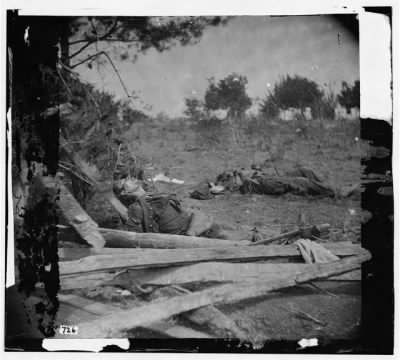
(262, 48)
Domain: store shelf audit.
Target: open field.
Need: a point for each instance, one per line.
(331, 150)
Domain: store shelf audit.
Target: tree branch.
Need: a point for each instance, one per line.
(112, 64)
(90, 42)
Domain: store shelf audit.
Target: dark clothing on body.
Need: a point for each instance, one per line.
(301, 181)
(160, 213)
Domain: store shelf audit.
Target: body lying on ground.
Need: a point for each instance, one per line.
(160, 212)
(301, 181)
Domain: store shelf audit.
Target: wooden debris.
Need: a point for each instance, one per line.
(151, 258)
(275, 238)
(305, 232)
(211, 272)
(127, 239)
(213, 319)
(90, 310)
(75, 214)
(124, 320)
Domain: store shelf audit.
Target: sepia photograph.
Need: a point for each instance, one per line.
(197, 183)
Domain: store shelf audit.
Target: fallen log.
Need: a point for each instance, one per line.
(112, 325)
(73, 212)
(90, 310)
(150, 258)
(127, 239)
(211, 272)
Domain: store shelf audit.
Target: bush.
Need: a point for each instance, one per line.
(292, 92)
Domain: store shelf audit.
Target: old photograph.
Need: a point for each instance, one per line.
(196, 183)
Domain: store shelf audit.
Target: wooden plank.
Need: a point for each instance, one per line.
(74, 213)
(127, 239)
(199, 273)
(90, 310)
(149, 258)
(113, 324)
(208, 317)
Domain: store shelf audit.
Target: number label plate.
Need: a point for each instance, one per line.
(68, 330)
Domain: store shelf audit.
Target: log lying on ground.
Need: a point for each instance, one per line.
(211, 272)
(126, 239)
(74, 213)
(112, 325)
(150, 258)
(90, 310)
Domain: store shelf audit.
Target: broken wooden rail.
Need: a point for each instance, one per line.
(128, 239)
(151, 258)
(112, 325)
(74, 213)
(211, 272)
(88, 310)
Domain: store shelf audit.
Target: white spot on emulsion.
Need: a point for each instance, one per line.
(26, 36)
(94, 345)
(304, 343)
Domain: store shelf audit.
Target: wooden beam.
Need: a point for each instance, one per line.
(150, 258)
(74, 213)
(211, 272)
(221, 325)
(89, 310)
(127, 239)
(110, 325)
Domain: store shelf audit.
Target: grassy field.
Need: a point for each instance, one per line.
(195, 153)
(198, 152)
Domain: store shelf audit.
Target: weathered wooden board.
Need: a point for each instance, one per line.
(208, 317)
(127, 239)
(112, 325)
(211, 272)
(89, 310)
(74, 213)
(151, 258)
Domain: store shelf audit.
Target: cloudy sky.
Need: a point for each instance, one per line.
(259, 47)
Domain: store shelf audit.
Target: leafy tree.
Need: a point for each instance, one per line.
(194, 108)
(295, 92)
(269, 106)
(229, 93)
(350, 95)
(139, 33)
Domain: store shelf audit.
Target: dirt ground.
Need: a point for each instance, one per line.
(332, 152)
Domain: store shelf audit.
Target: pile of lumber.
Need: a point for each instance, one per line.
(160, 268)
